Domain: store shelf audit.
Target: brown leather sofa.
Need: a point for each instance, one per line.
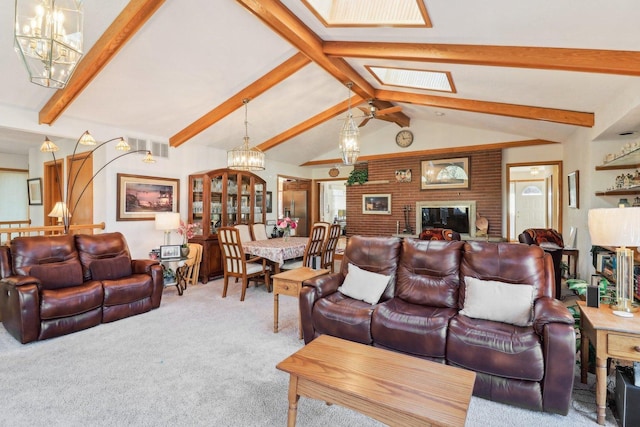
(56, 285)
(419, 314)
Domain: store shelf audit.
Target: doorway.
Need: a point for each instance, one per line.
(332, 202)
(534, 194)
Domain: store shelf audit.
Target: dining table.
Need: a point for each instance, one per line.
(277, 250)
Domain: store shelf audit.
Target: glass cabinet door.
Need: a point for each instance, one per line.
(244, 205)
(197, 207)
(258, 203)
(215, 202)
(231, 200)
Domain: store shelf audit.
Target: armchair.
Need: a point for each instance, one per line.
(551, 242)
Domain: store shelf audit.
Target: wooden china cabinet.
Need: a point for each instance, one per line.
(220, 198)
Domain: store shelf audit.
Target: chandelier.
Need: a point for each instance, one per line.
(48, 38)
(242, 157)
(67, 205)
(349, 144)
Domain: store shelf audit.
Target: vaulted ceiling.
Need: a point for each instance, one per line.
(528, 72)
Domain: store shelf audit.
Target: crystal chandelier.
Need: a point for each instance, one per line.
(242, 157)
(48, 38)
(349, 144)
(86, 139)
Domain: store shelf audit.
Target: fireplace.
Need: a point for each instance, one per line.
(457, 215)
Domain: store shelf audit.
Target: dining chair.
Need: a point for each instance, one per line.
(193, 263)
(245, 232)
(313, 249)
(259, 231)
(331, 242)
(235, 263)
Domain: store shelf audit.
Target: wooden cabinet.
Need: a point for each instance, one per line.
(220, 198)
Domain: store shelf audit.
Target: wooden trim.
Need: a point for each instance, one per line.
(135, 14)
(308, 124)
(547, 58)
(438, 151)
(496, 108)
(13, 170)
(264, 83)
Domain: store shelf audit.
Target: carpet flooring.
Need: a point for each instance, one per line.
(198, 360)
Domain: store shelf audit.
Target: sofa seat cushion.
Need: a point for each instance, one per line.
(495, 348)
(127, 289)
(70, 301)
(411, 328)
(343, 317)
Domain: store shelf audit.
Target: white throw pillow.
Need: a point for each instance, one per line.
(498, 301)
(364, 285)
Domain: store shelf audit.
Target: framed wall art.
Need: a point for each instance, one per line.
(444, 173)
(34, 189)
(379, 204)
(141, 197)
(574, 188)
(403, 175)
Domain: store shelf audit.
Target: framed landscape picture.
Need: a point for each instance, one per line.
(444, 173)
(140, 198)
(379, 204)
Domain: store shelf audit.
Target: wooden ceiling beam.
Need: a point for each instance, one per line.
(555, 115)
(264, 83)
(547, 58)
(291, 28)
(438, 151)
(134, 15)
(310, 123)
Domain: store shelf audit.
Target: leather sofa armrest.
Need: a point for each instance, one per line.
(312, 290)
(141, 266)
(550, 310)
(20, 307)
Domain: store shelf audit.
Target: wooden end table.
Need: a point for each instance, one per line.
(611, 336)
(394, 388)
(290, 283)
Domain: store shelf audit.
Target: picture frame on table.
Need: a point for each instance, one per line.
(376, 204)
(573, 188)
(34, 189)
(169, 251)
(140, 197)
(444, 173)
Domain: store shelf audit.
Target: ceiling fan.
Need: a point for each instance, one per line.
(378, 110)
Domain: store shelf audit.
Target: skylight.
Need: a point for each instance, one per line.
(419, 79)
(370, 13)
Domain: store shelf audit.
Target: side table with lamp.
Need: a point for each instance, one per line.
(613, 331)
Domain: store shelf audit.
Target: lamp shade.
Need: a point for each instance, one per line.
(166, 221)
(615, 227)
(59, 210)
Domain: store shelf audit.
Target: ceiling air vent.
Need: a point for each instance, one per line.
(160, 149)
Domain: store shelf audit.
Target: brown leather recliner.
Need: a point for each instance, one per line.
(528, 366)
(56, 285)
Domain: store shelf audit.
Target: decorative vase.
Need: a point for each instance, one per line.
(184, 251)
(286, 234)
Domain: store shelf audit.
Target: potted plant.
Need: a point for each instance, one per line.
(186, 230)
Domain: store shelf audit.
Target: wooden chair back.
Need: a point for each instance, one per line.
(315, 244)
(193, 263)
(331, 242)
(245, 232)
(259, 231)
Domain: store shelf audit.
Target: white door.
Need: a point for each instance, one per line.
(530, 203)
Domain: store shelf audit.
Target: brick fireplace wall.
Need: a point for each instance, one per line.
(485, 188)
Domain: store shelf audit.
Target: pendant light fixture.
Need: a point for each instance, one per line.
(48, 37)
(349, 134)
(242, 157)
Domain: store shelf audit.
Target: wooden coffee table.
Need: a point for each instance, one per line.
(393, 388)
(290, 283)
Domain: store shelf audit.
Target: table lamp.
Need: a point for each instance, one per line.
(167, 221)
(60, 211)
(619, 228)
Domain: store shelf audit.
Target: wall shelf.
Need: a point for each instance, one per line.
(629, 160)
(625, 192)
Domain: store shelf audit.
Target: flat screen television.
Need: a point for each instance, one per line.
(457, 215)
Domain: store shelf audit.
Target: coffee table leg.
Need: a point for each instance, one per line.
(275, 312)
(293, 401)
